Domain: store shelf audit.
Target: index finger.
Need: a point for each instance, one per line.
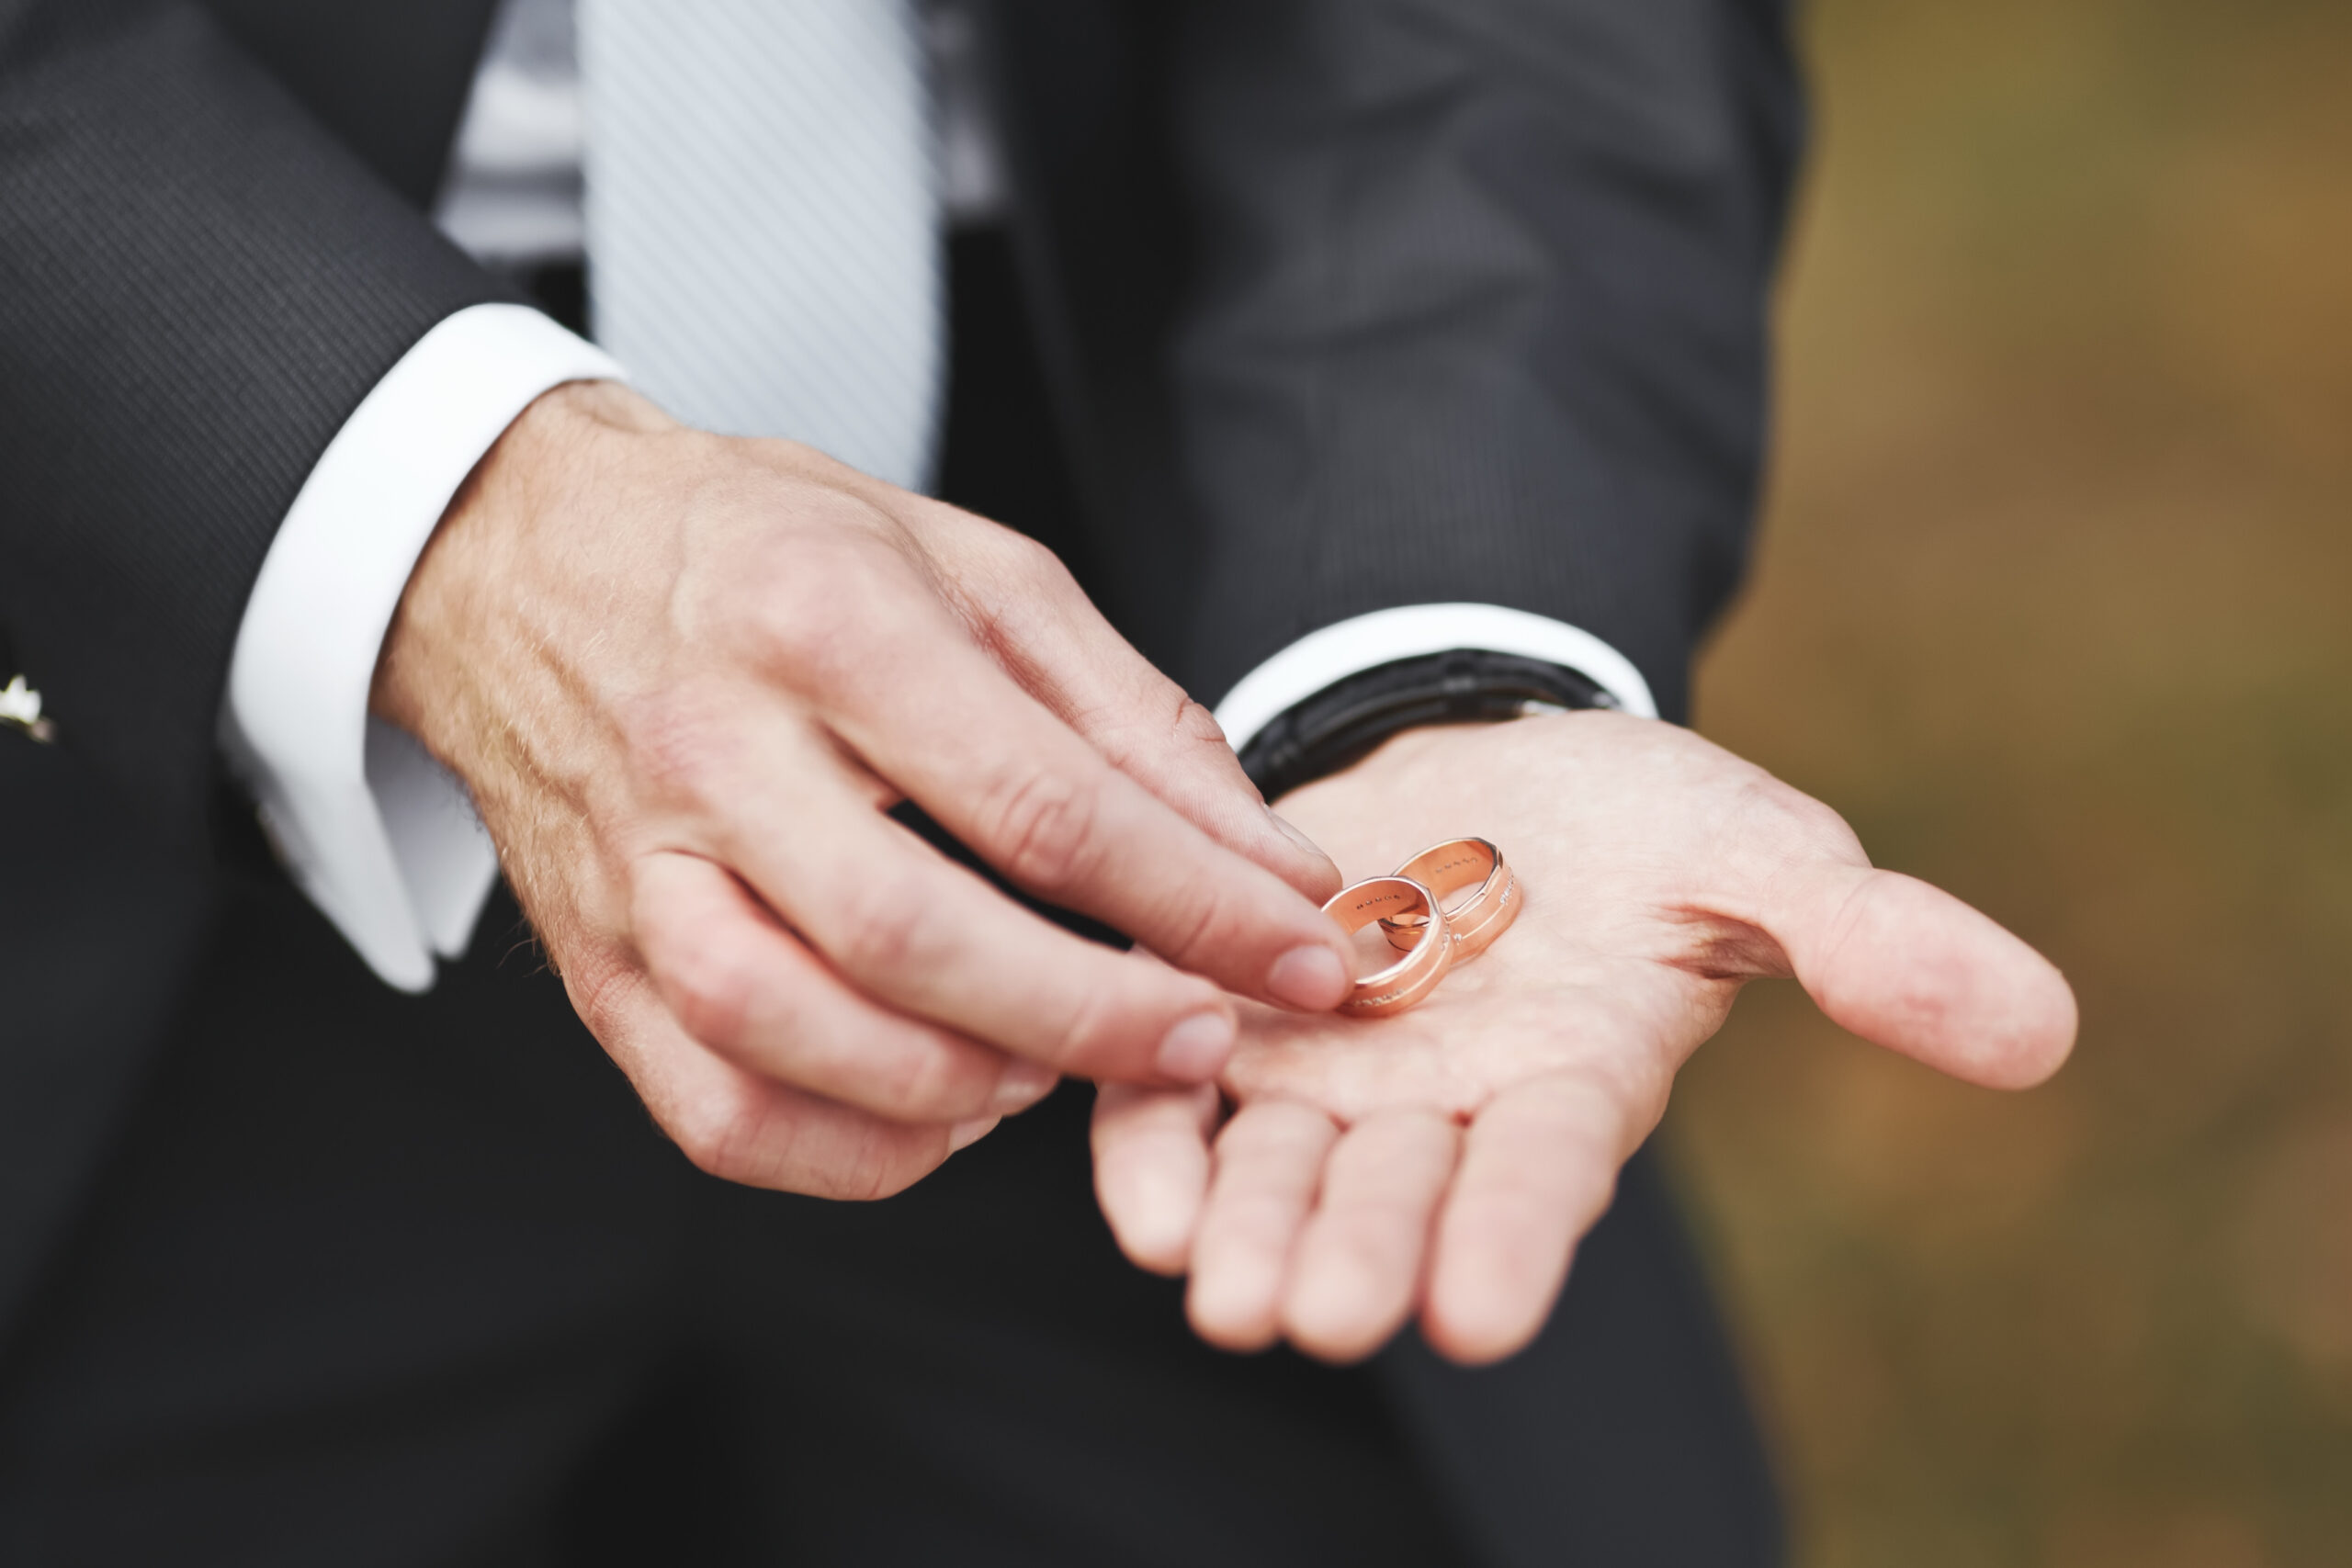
(1049, 637)
(1021, 603)
(943, 723)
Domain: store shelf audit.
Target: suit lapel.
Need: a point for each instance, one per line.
(389, 77)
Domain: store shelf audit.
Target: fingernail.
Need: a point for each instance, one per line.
(1022, 1086)
(963, 1134)
(1196, 1048)
(1309, 977)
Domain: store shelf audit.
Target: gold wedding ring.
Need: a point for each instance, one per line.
(1428, 956)
(1448, 868)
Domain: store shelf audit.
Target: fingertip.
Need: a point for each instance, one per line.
(1266, 1166)
(1151, 1170)
(1539, 1170)
(1194, 1049)
(1916, 970)
(1368, 1247)
(1477, 1317)
(1163, 1254)
(1326, 1316)
(963, 1134)
(1230, 1312)
(1153, 1025)
(1022, 1085)
(1476, 1339)
(1312, 978)
(1153, 1207)
(2041, 1034)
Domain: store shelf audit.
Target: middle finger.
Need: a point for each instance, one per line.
(920, 933)
(1359, 1263)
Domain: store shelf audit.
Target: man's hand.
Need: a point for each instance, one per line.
(685, 676)
(1449, 1158)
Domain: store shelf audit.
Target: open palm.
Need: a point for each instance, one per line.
(1449, 1158)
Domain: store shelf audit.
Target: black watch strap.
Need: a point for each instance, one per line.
(1349, 717)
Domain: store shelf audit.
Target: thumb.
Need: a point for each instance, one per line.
(1908, 966)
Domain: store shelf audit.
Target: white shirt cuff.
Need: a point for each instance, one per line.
(379, 835)
(1410, 631)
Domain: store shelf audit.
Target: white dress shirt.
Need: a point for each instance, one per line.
(381, 838)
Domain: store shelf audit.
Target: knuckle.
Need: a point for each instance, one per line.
(1004, 582)
(905, 1080)
(792, 608)
(1158, 721)
(1044, 827)
(678, 744)
(711, 984)
(800, 626)
(718, 1137)
(1083, 1032)
(1272, 1131)
(992, 551)
(926, 1077)
(601, 986)
(875, 1171)
(884, 926)
(1195, 727)
(1759, 813)
(1194, 926)
(1816, 825)
(1035, 564)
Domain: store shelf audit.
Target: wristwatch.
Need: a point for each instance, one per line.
(1346, 719)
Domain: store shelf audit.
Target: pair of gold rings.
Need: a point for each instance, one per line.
(1432, 938)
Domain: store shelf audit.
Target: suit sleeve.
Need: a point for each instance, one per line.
(198, 286)
(1478, 312)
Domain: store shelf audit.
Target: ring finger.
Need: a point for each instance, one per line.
(1360, 1261)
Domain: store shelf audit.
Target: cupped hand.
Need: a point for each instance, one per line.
(1447, 1159)
(685, 676)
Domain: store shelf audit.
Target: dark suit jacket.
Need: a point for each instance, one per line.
(1344, 304)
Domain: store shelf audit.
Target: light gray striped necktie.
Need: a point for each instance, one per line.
(763, 218)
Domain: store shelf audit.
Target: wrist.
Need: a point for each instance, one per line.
(1329, 732)
(506, 505)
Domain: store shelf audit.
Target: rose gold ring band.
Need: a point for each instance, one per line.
(1426, 958)
(1448, 868)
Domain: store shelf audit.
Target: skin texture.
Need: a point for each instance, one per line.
(1446, 1161)
(686, 675)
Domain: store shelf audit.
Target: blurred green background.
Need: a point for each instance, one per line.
(2055, 601)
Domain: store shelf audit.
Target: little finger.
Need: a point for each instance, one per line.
(740, 1127)
(741, 985)
(1151, 1168)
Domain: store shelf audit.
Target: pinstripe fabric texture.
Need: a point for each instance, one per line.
(763, 218)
